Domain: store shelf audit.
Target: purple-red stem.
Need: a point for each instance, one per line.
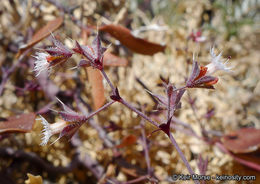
(169, 107)
(107, 79)
(128, 105)
(141, 178)
(146, 149)
(179, 88)
(175, 144)
(182, 156)
(100, 109)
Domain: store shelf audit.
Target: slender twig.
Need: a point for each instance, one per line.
(108, 80)
(184, 87)
(175, 144)
(128, 105)
(6, 73)
(169, 106)
(141, 178)
(101, 132)
(146, 149)
(100, 109)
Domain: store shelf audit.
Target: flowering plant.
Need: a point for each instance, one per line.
(200, 77)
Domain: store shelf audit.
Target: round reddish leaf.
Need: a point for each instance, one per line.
(20, 123)
(242, 141)
(127, 141)
(135, 44)
(42, 33)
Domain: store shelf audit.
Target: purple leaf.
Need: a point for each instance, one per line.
(165, 127)
(205, 79)
(194, 73)
(66, 108)
(72, 117)
(84, 63)
(96, 44)
(89, 53)
(115, 96)
(161, 99)
(202, 165)
(70, 130)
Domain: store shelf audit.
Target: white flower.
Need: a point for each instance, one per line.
(200, 39)
(217, 63)
(46, 131)
(51, 129)
(41, 62)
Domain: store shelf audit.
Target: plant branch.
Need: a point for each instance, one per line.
(128, 105)
(101, 132)
(146, 149)
(99, 110)
(175, 144)
(108, 80)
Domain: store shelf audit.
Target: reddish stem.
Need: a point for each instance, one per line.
(100, 109)
(107, 79)
(175, 144)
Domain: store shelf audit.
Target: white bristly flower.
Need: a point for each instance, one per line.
(51, 129)
(41, 62)
(217, 63)
(46, 131)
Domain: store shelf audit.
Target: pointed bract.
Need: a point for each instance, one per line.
(93, 53)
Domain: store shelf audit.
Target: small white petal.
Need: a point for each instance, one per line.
(41, 62)
(217, 63)
(46, 132)
(201, 39)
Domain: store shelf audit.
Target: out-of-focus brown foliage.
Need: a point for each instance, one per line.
(45, 31)
(138, 45)
(19, 123)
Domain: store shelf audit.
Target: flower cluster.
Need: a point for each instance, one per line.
(93, 54)
(55, 55)
(201, 75)
(68, 126)
(217, 63)
(60, 53)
